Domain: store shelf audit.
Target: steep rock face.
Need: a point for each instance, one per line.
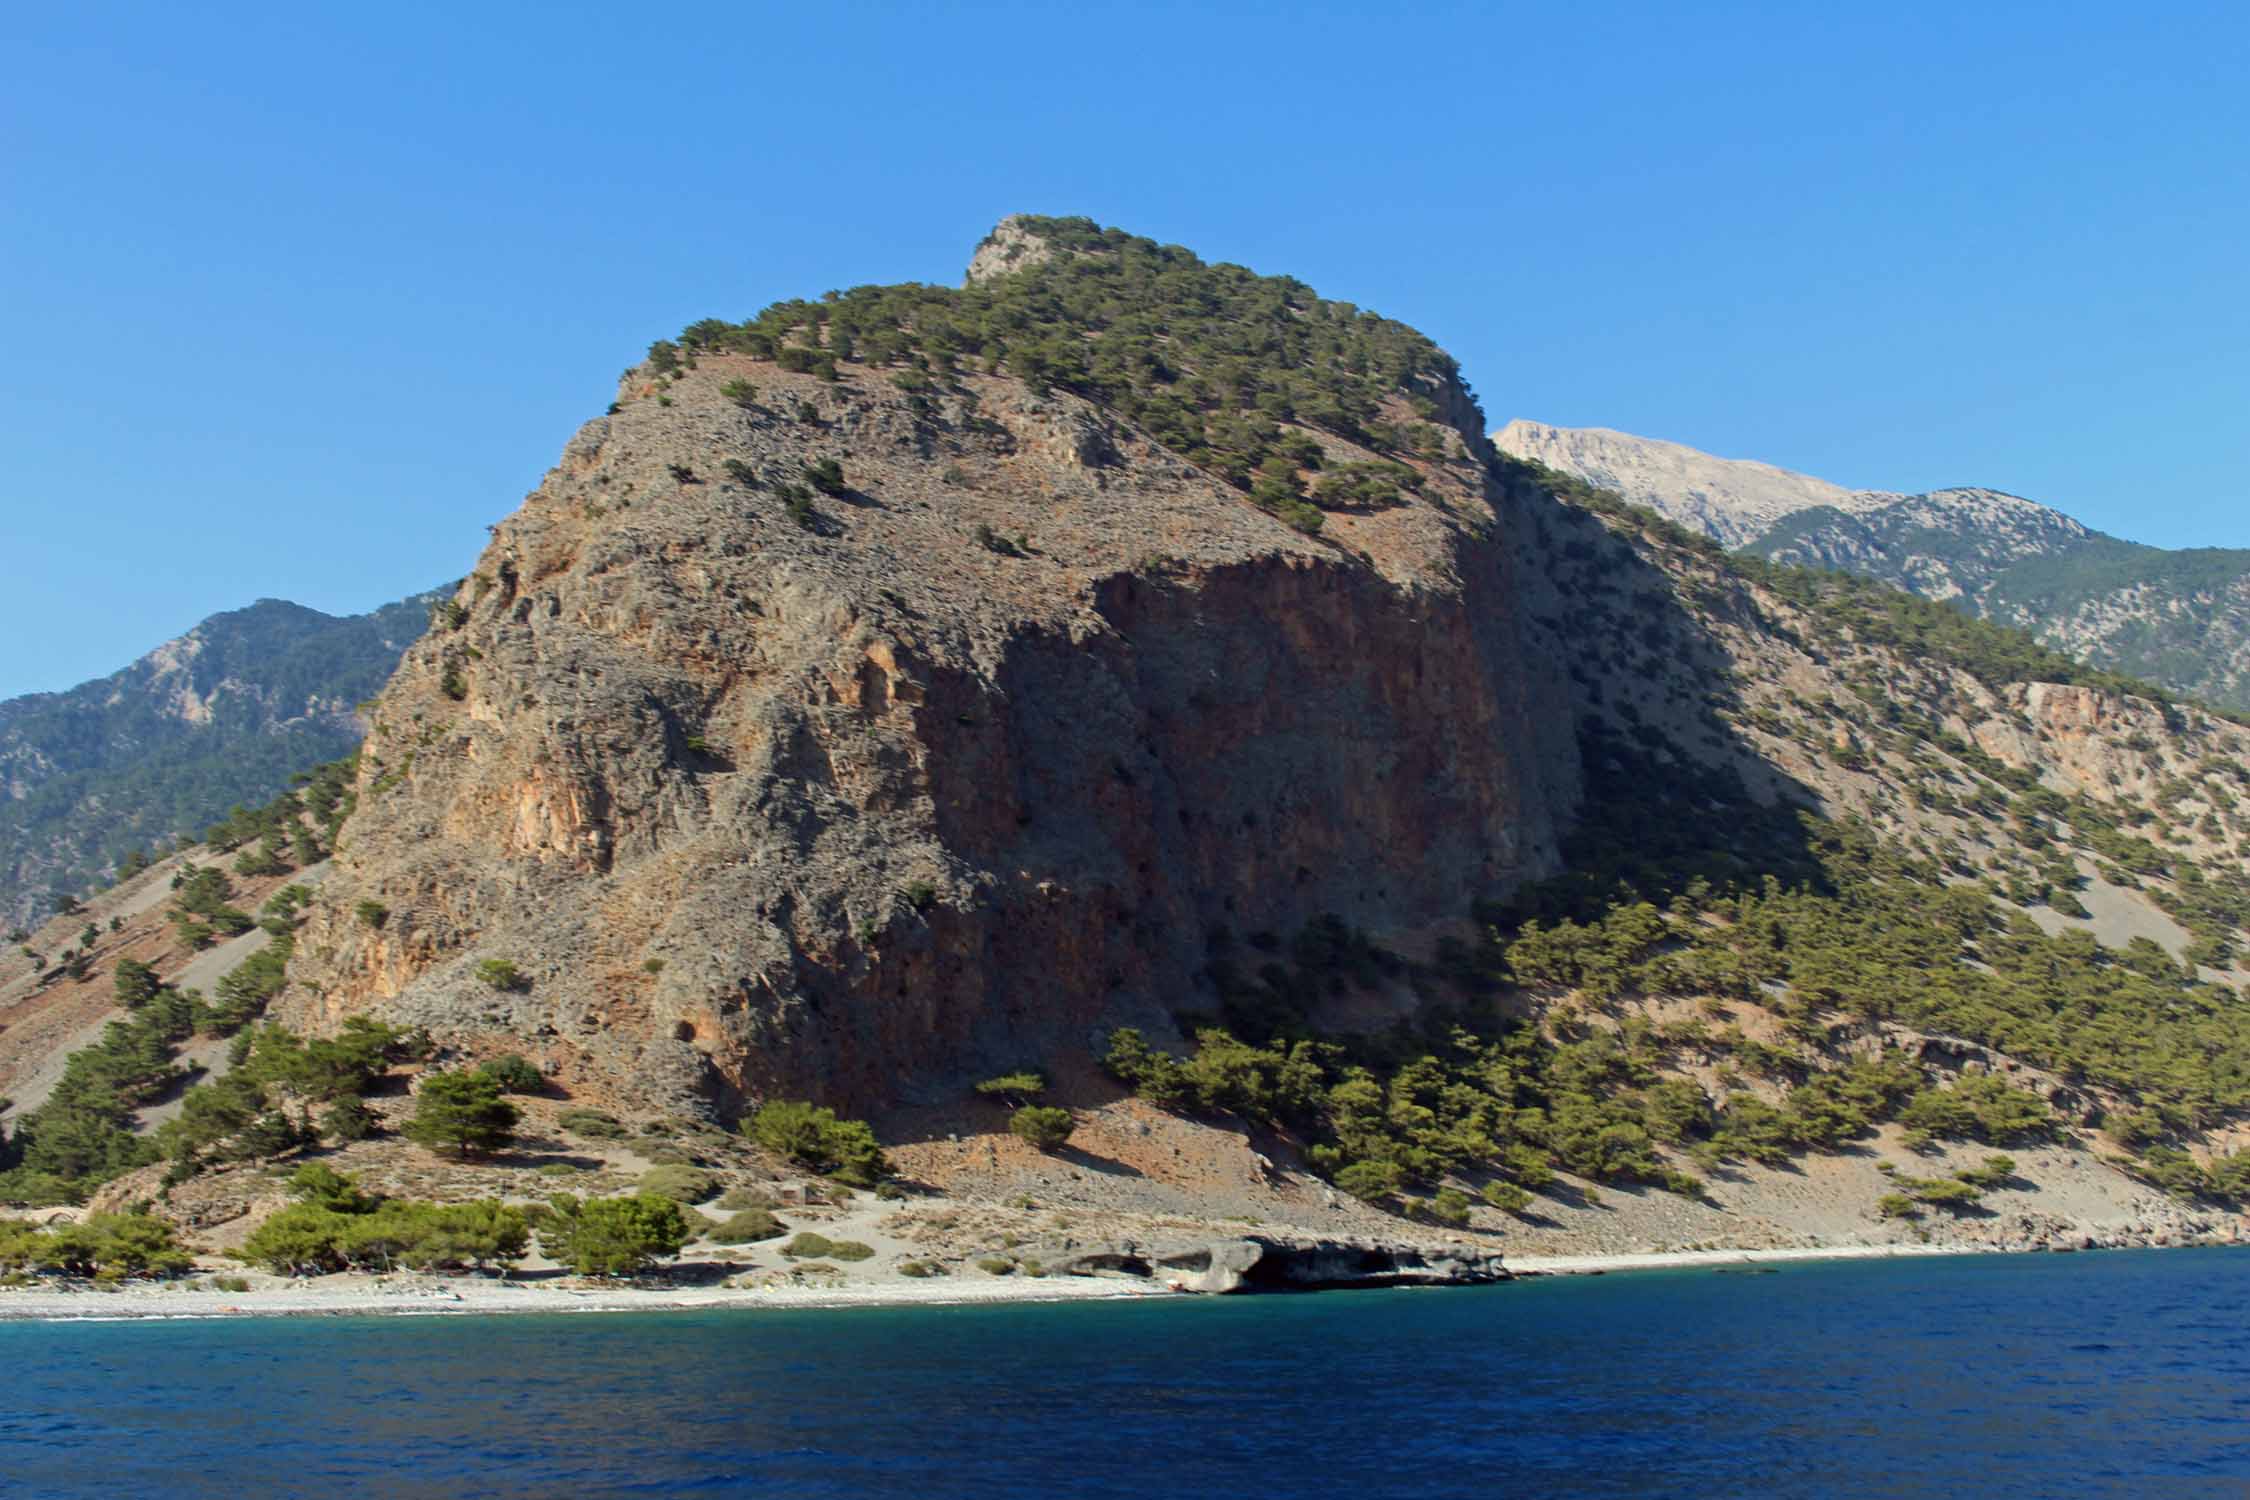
(959, 772)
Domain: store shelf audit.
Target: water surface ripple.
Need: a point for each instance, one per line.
(2111, 1374)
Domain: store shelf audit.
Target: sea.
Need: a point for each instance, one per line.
(2120, 1373)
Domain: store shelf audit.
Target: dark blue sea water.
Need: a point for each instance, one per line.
(2107, 1374)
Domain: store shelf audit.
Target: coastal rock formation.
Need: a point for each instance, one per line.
(1257, 1263)
(962, 762)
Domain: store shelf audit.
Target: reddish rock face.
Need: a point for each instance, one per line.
(961, 773)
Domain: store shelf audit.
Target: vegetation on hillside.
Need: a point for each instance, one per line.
(1227, 368)
(2170, 616)
(113, 767)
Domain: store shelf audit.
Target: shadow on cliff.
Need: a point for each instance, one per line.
(1673, 794)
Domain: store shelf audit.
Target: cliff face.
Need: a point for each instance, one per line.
(961, 769)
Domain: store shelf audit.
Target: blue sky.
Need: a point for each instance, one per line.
(297, 300)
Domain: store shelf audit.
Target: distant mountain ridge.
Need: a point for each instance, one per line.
(1732, 499)
(2179, 618)
(222, 714)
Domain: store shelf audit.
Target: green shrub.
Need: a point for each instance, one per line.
(501, 974)
(740, 392)
(515, 1074)
(739, 1199)
(1450, 1206)
(920, 1268)
(681, 1184)
(613, 1236)
(796, 500)
(826, 476)
(1940, 1192)
(592, 1124)
(815, 1139)
(1153, 1075)
(747, 1227)
(1896, 1206)
(995, 1265)
(808, 1245)
(108, 1247)
(1042, 1126)
(1505, 1196)
(1995, 1173)
(1016, 1088)
(323, 1186)
(462, 1113)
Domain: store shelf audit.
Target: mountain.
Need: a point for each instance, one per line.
(222, 715)
(1735, 500)
(1136, 685)
(2180, 619)
(853, 781)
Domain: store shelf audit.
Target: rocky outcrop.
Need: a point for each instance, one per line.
(1012, 246)
(1268, 1263)
(963, 769)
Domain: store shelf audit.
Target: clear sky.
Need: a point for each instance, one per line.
(296, 300)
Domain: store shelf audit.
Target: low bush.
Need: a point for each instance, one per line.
(515, 1074)
(681, 1184)
(737, 1199)
(501, 974)
(1506, 1197)
(747, 1227)
(592, 1124)
(1043, 1126)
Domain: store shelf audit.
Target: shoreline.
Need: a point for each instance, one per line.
(473, 1297)
(1530, 1266)
(440, 1297)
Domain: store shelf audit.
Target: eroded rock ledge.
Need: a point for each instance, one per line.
(1264, 1263)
